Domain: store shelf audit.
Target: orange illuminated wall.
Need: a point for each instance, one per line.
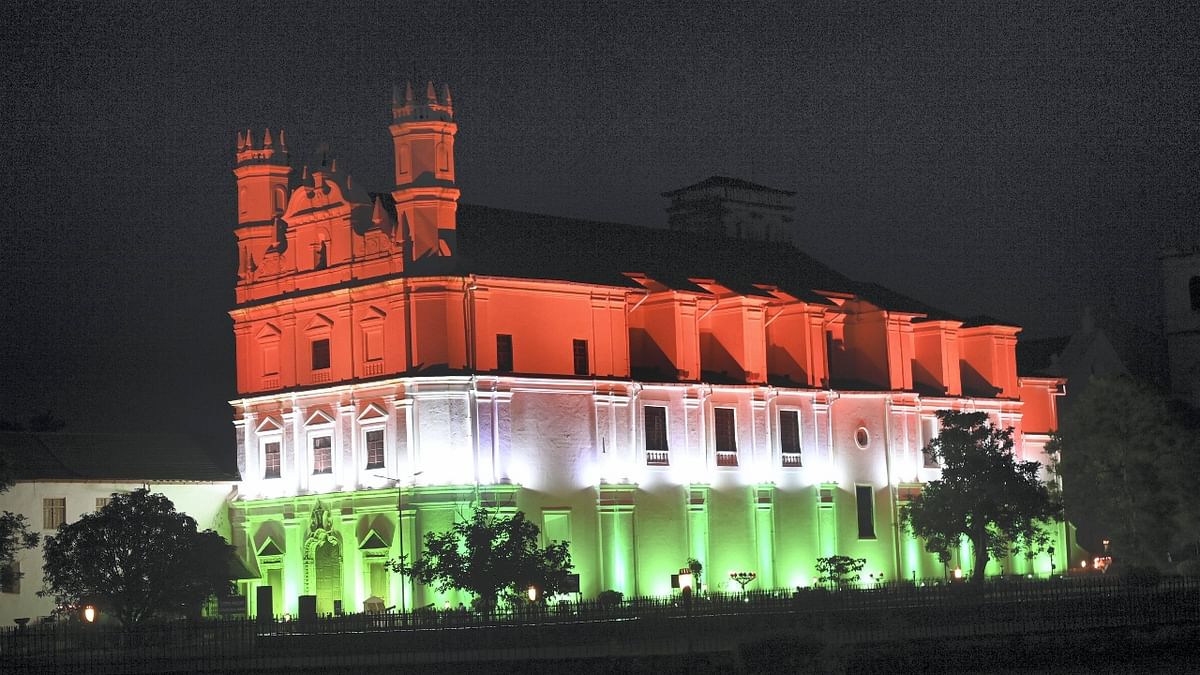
(337, 284)
(795, 337)
(989, 360)
(935, 364)
(1039, 398)
(732, 335)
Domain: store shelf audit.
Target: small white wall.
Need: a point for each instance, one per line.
(206, 502)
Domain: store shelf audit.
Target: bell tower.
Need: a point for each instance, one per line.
(263, 187)
(426, 194)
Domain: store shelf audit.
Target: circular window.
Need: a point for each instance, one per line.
(862, 437)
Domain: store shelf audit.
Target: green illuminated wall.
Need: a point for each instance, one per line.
(623, 537)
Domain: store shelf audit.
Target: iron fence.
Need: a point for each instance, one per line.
(637, 626)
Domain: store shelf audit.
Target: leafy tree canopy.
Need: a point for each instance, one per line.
(984, 494)
(491, 556)
(1129, 471)
(15, 534)
(136, 558)
(839, 571)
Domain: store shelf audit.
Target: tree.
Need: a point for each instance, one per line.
(839, 571)
(14, 530)
(984, 494)
(136, 558)
(490, 556)
(1128, 470)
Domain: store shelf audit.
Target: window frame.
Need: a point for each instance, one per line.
(785, 452)
(505, 353)
(725, 457)
(366, 433)
(263, 442)
(59, 512)
(580, 349)
(313, 437)
(313, 352)
(662, 455)
(929, 460)
(859, 489)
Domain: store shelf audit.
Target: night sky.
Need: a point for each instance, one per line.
(1021, 163)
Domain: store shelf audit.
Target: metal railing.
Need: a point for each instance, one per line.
(672, 625)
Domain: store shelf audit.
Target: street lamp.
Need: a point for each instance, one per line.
(400, 484)
(89, 614)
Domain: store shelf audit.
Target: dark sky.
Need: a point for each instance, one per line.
(985, 158)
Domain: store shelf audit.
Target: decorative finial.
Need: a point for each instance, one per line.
(267, 139)
(377, 212)
(446, 94)
(240, 142)
(333, 165)
(249, 140)
(304, 173)
(282, 141)
(408, 93)
(430, 94)
(396, 95)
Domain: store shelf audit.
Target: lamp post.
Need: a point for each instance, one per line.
(400, 485)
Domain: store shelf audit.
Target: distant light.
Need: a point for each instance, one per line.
(685, 580)
(957, 572)
(1083, 563)
(532, 592)
(89, 614)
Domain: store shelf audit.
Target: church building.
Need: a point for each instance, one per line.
(648, 395)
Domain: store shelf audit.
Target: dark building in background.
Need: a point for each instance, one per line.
(720, 206)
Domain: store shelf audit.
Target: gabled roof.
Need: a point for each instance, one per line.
(725, 181)
(134, 457)
(499, 242)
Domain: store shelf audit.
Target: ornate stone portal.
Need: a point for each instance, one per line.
(322, 560)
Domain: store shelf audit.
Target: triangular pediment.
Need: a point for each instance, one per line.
(373, 313)
(372, 542)
(318, 417)
(268, 424)
(269, 548)
(372, 411)
(268, 332)
(319, 324)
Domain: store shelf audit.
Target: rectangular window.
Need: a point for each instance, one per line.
(375, 449)
(54, 512)
(271, 459)
(10, 577)
(865, 496)
(655, 420)
(580, 350)
(102, 502)
(320, 354)
(789, 437)
(725, 436)
(322, 448)
(928, 434)
(504, 353)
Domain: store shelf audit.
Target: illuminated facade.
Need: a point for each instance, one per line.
(648, 395)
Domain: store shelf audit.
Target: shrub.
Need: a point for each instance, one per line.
(1189, 568)
(839, 571)
(610, 598)
(1138, 575)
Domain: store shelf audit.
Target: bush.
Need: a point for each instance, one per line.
(1138, 575)
(1189, 568)
(610, 598)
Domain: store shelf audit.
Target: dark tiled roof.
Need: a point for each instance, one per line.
(498, 242)
(63, 456)
(725, 181)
